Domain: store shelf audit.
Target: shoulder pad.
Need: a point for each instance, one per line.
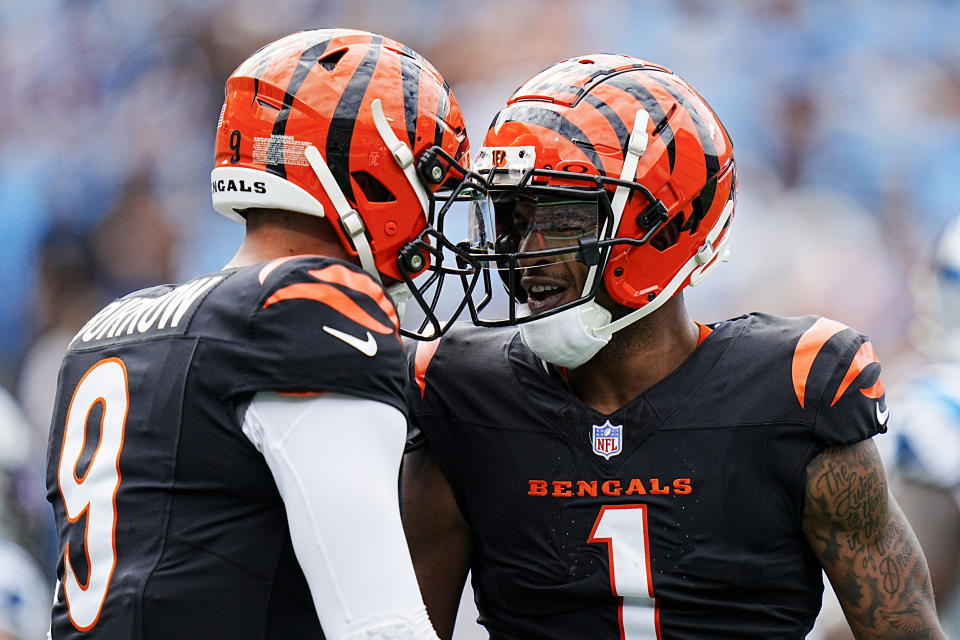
(836, 373)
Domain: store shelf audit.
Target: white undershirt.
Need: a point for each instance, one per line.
(336, 459)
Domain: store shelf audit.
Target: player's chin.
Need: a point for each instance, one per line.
(540, 303)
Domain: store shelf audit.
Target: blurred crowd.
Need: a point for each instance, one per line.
(845, 116)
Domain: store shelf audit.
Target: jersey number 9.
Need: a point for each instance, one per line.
(94, 492)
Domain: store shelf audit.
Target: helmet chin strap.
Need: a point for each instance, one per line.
(351, 218)
(400, 293)
(401, 152)
(567, 339)
(636, 147)
(697, 267)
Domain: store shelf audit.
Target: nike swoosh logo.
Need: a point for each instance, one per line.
(882, 415)
(367, 347)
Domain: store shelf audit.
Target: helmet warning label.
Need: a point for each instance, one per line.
(280, 150)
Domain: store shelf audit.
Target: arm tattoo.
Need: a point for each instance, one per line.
(866, 546)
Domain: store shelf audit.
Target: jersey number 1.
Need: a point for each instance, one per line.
(624, 529)
(94, 493)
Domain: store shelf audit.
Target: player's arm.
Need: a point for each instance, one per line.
(866, 546)
(935, 516)
(440, 539)
(336, 460)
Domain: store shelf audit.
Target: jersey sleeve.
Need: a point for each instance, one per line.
(837, 371)
(319, 324)
(350, 589)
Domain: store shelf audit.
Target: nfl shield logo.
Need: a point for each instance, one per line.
(607, 439)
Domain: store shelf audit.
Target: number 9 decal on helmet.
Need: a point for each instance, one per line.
(640, 149)
(363, 131)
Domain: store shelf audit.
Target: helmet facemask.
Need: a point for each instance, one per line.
(428, 263)
(574, 220)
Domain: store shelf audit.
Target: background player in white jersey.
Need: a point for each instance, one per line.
(224, 453)
(924, 450)
(921, 450)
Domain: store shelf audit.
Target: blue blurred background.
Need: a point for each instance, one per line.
(845, 117)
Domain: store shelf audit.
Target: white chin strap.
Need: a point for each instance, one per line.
(352, 221)
(572, 337)
(567, 339)
(401, 152)
(400, 293)
(636, 147)
(697, 267)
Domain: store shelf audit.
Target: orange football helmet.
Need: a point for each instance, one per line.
(357, 128)
(637, 147)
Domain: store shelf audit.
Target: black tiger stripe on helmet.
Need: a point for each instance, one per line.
(412, 68)
(527, 113)
(620, 128)
(632, 84)
(711, 159)
(410, 72)
(276, 162)
(340, 134)
(265, 54)
(707, 196)
(443, 108)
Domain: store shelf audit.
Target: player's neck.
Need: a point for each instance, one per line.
(636, 358)
(292, 236)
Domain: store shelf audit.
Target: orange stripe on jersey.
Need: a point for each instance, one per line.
(330, 296)
(358, 282)
(865, 356)
(807, 349)
(421, 361)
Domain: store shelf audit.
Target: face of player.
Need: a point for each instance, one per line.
(533, 226)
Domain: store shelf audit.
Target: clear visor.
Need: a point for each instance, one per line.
(536, 229)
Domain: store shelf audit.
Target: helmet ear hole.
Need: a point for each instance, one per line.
(669, 234)
(373, 190)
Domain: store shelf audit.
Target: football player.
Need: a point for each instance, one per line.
(224, 453)
(611, 468)
(922, 450)
(925, 448)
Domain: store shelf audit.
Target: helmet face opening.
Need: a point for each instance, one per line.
(536, 223)
(636, 142)
(533, 230)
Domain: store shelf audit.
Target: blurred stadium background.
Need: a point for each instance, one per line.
(845, 116)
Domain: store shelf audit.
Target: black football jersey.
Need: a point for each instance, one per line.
(169, 521)
(675, 517)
